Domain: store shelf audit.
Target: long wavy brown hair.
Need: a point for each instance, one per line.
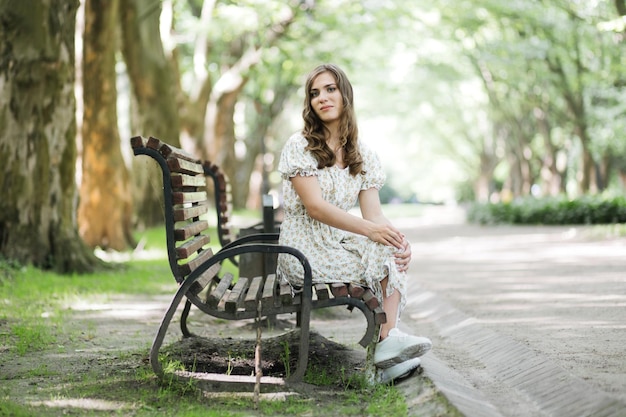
(316, 132)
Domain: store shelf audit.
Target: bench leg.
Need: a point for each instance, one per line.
(372, 374)
(157, 367)
(303, 353)
(183, 320)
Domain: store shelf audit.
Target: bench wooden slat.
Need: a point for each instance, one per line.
(322, 291)
(356, 291)
(185, 250)
(380, 317)
(205, 279)
(284, 291)
(296, 299)
(191, 229)
(154, 143)
(180, 197)
(254, 294)
(214, 297)
(138, 142)
(169, 151)
(210, 168)
(234, 299)
(339, 289)
(226, 232)
(186, 213)
(370, 300)
(193, 264)
(267, 299)
(183, 180)
(183, 166)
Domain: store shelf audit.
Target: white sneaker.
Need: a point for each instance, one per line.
(399, 347)
(400, 371)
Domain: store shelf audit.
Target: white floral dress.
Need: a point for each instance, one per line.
(335, 255)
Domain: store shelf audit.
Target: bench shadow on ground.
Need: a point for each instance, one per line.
(227, 347)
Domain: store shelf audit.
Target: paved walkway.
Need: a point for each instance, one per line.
(525, 321)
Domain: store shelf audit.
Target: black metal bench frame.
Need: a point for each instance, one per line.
(196, 268)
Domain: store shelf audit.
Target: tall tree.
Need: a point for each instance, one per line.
(38, 136)
(547, 61)
(105, 209)
(155, 97)
(227, 47)
(268, 104)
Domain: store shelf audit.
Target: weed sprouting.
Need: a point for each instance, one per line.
(229, 370)
(354, 381)
(317, 375)
(285, 357)
(31, 337)
(172, 366)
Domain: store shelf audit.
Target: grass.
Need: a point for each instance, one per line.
(36, 303)
(35, 315)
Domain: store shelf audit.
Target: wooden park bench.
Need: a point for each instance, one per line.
(197, 270)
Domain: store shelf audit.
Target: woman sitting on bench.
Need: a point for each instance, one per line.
(325, 171)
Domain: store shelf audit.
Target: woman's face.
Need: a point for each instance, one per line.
(326, 99)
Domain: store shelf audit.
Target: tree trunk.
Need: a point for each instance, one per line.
(483, 187)
(105, 209)
(155, 97)
(38, 136)
(218, 142)
(256, 147)
(588, 179)
(620, 5)
(622, 178)
(550, 174)
(222, 151)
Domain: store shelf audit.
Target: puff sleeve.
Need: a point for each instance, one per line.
(374, 176)
(295, 160)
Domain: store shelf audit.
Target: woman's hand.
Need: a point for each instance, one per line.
(403, 257)
(387, 235)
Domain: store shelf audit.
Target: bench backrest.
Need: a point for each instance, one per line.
(186, 205)
(221, 188)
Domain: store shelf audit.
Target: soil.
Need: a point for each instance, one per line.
(234, 356)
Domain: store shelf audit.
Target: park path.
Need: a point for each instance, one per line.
(525, 320)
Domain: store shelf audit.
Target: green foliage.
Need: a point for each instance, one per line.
(551, 211)
(286, 359)
(386, 401)
(31, 337)
(13, 409)
(292, 406)
(319, 374)
(34, 321)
